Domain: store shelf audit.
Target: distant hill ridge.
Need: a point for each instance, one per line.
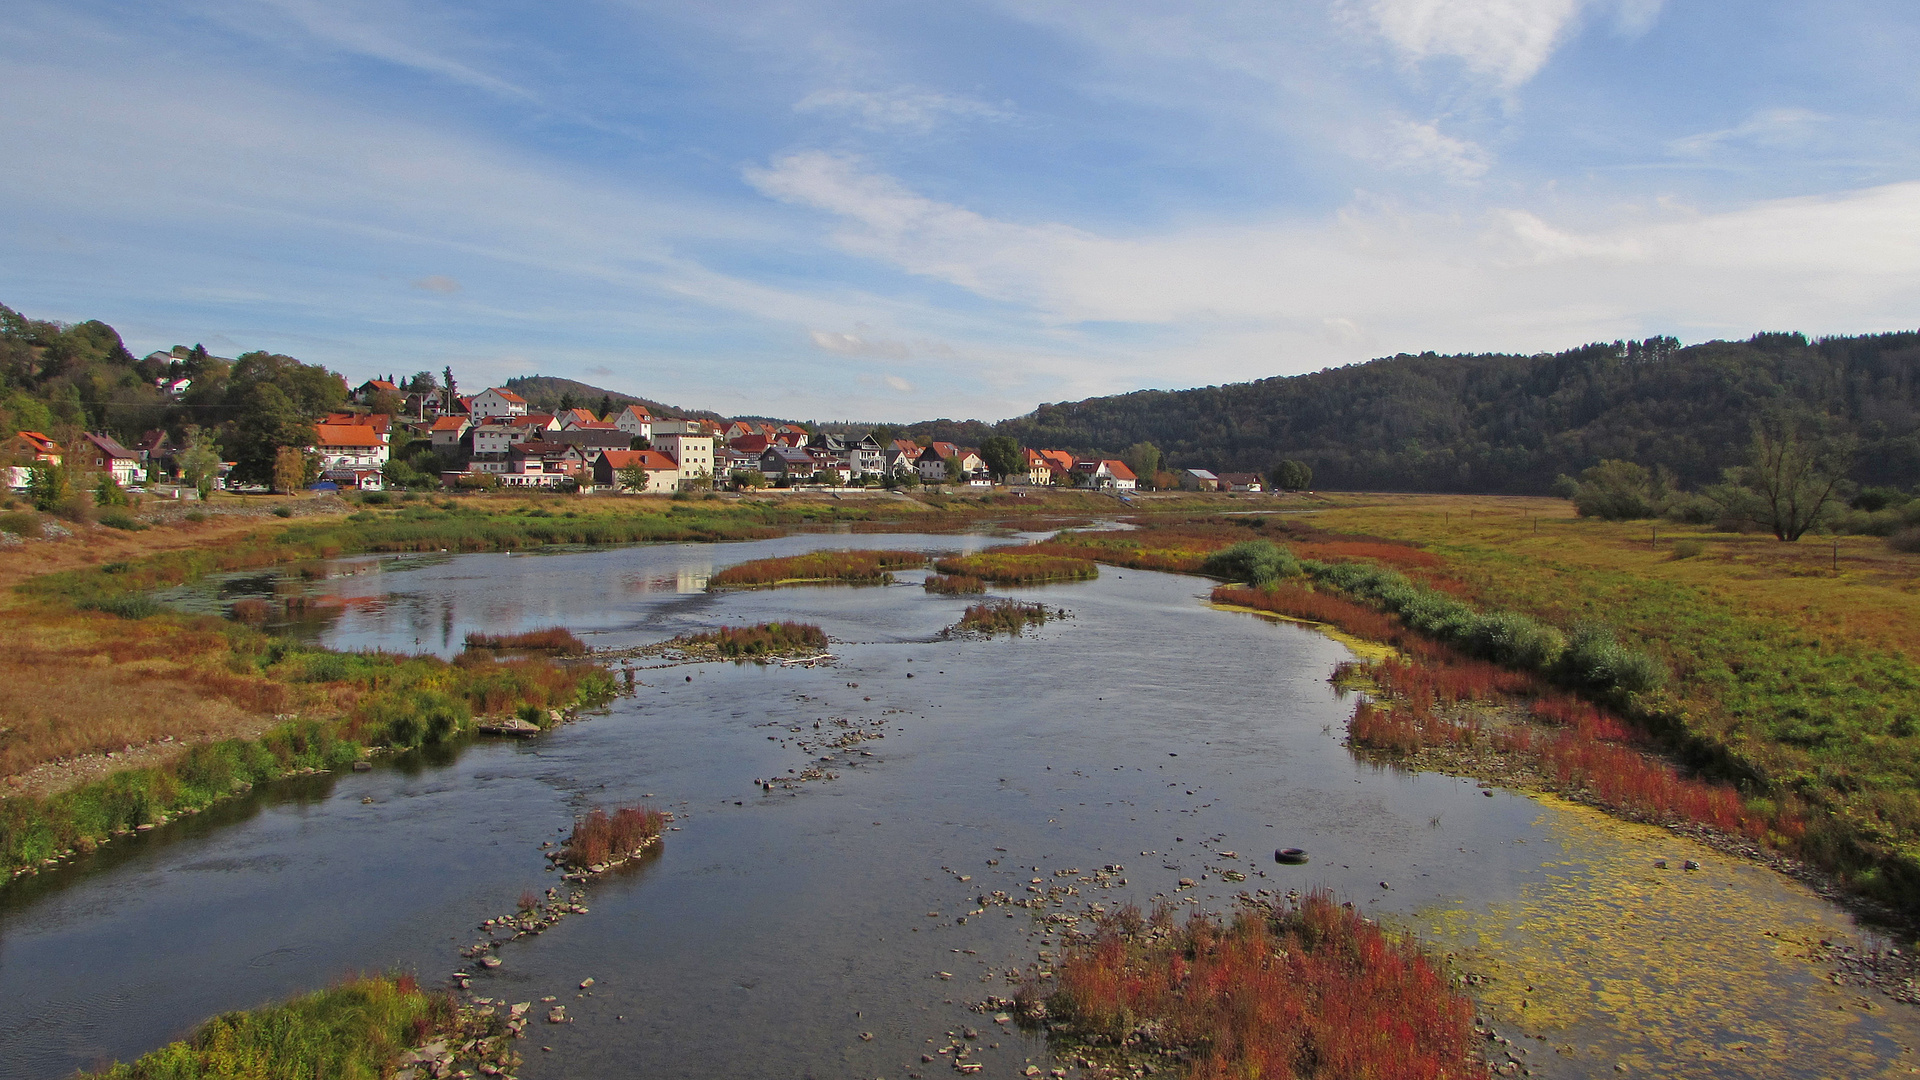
(545, 392)
(1510, 423)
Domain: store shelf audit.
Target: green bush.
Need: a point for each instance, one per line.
(21, 523)
(416, 716)
(120, 519)
(1594, 660)
(1256, 562)
(282, 512)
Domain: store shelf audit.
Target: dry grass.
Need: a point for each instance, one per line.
(599, 837)
(83, 683)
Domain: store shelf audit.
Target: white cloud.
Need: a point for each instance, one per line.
(901, 109)
(1260, 298)
(1410, 146)
(898, 383)
(438, 283)
(1507, 39)
(858, 345)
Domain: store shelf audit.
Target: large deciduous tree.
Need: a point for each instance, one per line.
(1002, 455)
(1793, 479)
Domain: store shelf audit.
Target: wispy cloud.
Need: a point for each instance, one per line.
(391, 31)
(1769, 128)
(438, 283)
(901, 109)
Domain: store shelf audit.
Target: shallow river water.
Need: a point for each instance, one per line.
(773, 931)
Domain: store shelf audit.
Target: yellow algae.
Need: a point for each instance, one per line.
(1605, 960)
(1370, 651)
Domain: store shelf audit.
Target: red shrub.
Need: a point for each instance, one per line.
(598, 837)
(1309, 990)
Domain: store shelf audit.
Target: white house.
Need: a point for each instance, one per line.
(693, 453)
(447, 431)
(1105, 473)
(497, 402)
(635, 421)
(350, 446)
(498, 438)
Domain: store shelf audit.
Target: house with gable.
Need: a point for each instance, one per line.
(349, 446)
(1242, 481)
(1199, 480)
(662, 472)
(636, 421)
(372, 388)
(109, 456)
(568, 419)
(1104, 473)
(33, 446)
(447, 432)
(494, 401)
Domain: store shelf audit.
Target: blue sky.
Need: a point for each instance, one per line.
(908, 210)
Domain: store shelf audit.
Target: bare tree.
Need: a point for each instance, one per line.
(1793, 477)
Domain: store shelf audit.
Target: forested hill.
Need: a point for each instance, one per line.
(548, 393)
(1505, 423)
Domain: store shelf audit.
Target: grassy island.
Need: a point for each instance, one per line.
(1019, 566)
(817, 567)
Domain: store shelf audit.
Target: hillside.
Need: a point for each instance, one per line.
(548, 393)
(1508, 423)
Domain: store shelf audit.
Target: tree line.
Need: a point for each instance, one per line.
(1509, 423)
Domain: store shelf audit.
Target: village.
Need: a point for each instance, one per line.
(494, 439)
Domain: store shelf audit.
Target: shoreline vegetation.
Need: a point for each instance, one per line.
(356, 1030)
(1298, 987)
(1005, 617)
(817, 568)
(760, 642)
(1021, 566)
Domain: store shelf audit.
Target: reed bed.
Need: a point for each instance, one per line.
(1004, 616)
(760, 639)
(554, 640)
(599, 838)
(954, 584)
(853, 567)
(1020, 567)
(356, 1030)
(1307, 990)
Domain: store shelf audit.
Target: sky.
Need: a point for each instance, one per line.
(900, 211)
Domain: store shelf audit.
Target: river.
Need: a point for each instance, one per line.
(775, 932)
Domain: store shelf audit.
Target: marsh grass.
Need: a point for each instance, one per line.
(1020, 566)
(356, 1030)
(554, 640)
(954, 584)
(1309, 990)
(760, 639)
(1004, 616)
(848, 567)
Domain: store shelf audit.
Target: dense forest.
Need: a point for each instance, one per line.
(1507, 423)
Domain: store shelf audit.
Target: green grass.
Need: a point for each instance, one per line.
(354, 1031)
(1786, 676)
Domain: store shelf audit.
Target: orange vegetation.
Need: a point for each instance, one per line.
(1308, 990)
